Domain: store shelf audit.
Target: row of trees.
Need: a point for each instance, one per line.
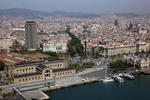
(118, 65)
(74, 46)
(83, 66)
(52, 55)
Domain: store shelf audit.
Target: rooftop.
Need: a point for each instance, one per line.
(37, 63)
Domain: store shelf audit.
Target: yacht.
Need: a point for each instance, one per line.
(128, 76)
(107, 79)
(119, 79)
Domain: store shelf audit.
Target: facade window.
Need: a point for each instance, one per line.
(23, 70)
(19, 80)
(47, 73)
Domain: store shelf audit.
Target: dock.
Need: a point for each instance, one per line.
(145, 72)
(35, 94)
(35, 90)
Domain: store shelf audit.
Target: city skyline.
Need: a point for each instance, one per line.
(84, 6)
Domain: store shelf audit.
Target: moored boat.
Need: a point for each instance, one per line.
(119, 79)
(108, 79)
(128, 76)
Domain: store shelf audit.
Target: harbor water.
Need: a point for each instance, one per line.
(138, 89)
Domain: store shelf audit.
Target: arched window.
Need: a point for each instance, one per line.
(47, 73)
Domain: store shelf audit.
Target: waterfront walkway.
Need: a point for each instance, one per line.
(88, 75)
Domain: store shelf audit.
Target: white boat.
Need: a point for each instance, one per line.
(121, 74)
(119, 79)
(107, 79)
(128, 76)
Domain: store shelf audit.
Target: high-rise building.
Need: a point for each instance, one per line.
(31, 35)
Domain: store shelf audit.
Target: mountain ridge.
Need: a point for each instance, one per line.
(17, 12)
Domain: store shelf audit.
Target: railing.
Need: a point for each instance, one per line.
(33, 85)
(17, 91)
(36, 84)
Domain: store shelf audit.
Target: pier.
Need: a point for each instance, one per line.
(35, 94)
(29, 91)
(145, 72)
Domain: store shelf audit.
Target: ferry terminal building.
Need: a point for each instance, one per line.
(27, 72)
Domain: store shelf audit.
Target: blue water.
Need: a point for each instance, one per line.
(138, 89)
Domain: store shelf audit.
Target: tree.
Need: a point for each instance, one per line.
(118, 65)
(77, 67)
(79, 49)
(88, 64)
(2, 65)
(74, 46)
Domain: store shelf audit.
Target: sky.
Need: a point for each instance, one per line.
(84, 6)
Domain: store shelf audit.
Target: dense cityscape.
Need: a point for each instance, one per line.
(49, 52)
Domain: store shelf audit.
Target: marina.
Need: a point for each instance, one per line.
(25, 90)
(139, 88)
(90, 76)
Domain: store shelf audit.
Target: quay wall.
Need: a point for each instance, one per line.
(51, 88)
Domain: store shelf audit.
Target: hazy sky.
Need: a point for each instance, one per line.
(86, 6)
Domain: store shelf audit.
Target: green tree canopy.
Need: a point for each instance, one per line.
(2, 65)
(74, 46)
(118, 65)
